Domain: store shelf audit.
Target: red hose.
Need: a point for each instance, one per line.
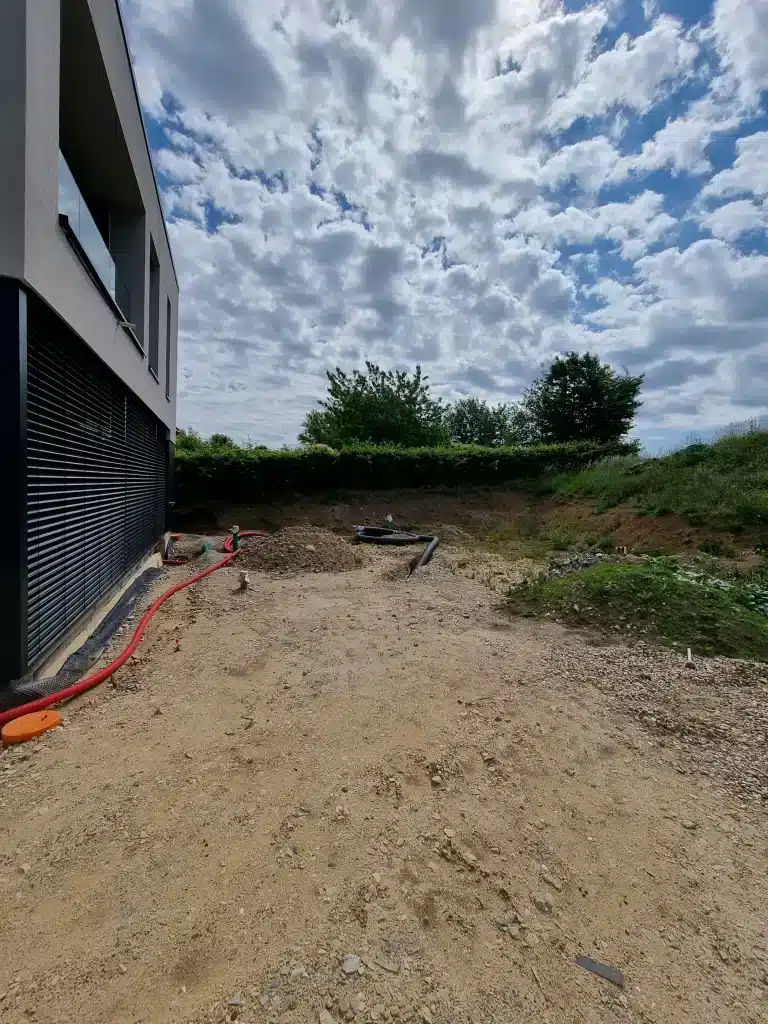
(244, 533)
(108, 670)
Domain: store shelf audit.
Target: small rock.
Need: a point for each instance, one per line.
(689, 824)
(531, 940)
(436, 780)
(235, 1000)
(122, 968)
(543, 903)
(387, 965)
(25, 868)
(376, 1011)
(350, 964)
(557, 886)
(449, 832)
(326, 1018)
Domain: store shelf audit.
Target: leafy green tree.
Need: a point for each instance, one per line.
(472, 421)
(219, 441)
(376, 407)
(188, 441)
(192, 441)
(581, 399)
(521, 427)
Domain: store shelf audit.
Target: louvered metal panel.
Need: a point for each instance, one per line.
(96, 481)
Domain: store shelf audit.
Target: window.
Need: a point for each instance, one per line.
(78, 219)
(154, 310)
(168, 354)
(100, 204)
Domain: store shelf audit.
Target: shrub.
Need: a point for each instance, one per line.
(255, 475)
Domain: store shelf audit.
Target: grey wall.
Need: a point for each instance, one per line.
(12, 108)
(50, 265)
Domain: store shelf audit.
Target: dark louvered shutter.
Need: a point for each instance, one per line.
(96, 481)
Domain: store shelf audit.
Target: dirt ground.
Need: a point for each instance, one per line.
(467, 513)
(358, 797)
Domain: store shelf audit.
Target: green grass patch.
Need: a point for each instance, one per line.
(654, 601)
(724, 485)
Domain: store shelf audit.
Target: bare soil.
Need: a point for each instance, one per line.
(457, 514)
(356, 765)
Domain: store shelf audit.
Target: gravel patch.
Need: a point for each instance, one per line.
(715, 712)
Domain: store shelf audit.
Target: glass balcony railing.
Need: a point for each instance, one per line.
(83, 226)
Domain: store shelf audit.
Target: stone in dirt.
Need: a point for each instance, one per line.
(326, 1018)
(387, 965)
(350, 964)
(550, 880)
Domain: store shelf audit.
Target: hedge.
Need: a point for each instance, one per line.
(257, 475)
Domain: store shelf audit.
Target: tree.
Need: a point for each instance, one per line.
(376, 407)
(189, 440)
(581, 399)
(192, 441)
(219, 441)
(472, 421)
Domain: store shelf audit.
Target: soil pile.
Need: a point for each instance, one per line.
(300, 549)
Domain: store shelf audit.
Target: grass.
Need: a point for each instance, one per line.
(723, 485)
(654, 601)
(529, 537)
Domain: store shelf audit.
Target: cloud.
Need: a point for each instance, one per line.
(749, 172)
(731, 221)
(473, 186)
(634, 225)
(633, 74)
(740, 29)
(209, 53)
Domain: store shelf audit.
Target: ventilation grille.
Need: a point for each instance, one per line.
(96, 482)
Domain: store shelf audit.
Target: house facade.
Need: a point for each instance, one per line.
(88, 324)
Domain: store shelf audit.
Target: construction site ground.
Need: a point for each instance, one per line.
(357, 796)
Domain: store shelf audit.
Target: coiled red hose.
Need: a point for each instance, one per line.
(229, 542)
(104, 673)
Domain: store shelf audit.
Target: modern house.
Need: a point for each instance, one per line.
(88, 324)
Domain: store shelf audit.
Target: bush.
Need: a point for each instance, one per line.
(256, 475)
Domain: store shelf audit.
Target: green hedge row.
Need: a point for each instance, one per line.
(243, 476)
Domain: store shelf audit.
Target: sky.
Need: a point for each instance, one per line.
(472, 186)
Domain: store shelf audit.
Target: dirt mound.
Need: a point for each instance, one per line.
(299, 549)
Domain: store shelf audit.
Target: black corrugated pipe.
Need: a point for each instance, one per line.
(383, 535)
